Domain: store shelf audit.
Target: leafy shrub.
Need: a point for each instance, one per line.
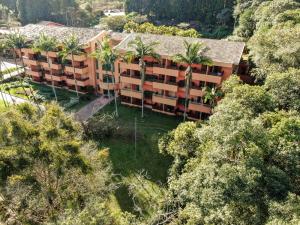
(101, 126)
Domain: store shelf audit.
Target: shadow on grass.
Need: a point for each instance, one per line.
(126, 160)
(146, 157)
(124, 199)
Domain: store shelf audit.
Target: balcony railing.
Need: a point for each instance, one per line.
(131, 79)
(207, 77)
(199, 107)
(33, 73)
(196, 91)
(79, 70)
(170, 71)
(78, 58)
(167, 100)
(131, 93)
(32, 62)
(79, 81)
(165, 86)
(55, 77)
(161, 109)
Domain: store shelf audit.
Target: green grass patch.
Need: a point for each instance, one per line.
(45, 93)
(2, 106)
(143, 170)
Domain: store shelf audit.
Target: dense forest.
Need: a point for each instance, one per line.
(204, 15)
(68, 12)
(242, 166)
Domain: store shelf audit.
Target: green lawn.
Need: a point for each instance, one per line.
(45, 93)
(2, 106)
(129, 162)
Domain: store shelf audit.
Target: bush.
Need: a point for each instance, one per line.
(101, 126)
(166, 30)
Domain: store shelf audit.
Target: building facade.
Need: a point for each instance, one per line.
(164, 86)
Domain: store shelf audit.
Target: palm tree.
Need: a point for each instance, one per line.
(47, 44)
(6, 103)
(107, 56)
(71, 46)
(211, 95)
(141, 50)
(16, 42)
(194, 54)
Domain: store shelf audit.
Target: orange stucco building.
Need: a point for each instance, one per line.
(164, 81)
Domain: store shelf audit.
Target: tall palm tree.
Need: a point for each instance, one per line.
(194, 54)
(211, 95)
(47, 44)
(108, 56)
(16, 42)
(141, 50)
(71, 46)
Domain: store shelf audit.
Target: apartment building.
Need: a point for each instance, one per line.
(164, 86)
(83, 67)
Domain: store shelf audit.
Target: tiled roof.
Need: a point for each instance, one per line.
(32, 32)
(221, 51)
(118, 36)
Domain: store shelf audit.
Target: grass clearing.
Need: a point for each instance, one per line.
(143, 171)
(45, 94)
(2, 106)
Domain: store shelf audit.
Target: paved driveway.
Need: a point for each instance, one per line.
(92, 108)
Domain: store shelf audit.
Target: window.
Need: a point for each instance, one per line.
(97, 76)
(97, 64)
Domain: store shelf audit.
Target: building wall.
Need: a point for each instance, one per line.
(164, 85)
(85, 67)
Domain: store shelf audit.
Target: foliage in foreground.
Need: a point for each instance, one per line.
(242, 167)
(48, 173)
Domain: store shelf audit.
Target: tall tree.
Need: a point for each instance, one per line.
(47, 170)
(108, 56)
(142, 50)
(17, 41)
(194, 55)
(71, 47)
(47, 44)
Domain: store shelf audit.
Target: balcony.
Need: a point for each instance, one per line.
(161, 109)
(78, 58)
(33, 73)
(27, 51)
(107, 86)
(31, 62)
(80, 82)
(50, 54)
(172, 101)
(78, 70)
(131, 93)
(44, 64)
(174, 72)
(196, 91)
(212, 78)
(57, 78)
(54, 66)
(130, 66)
(200, 107)
(132, 102)
(165, 86)
(130, 80)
